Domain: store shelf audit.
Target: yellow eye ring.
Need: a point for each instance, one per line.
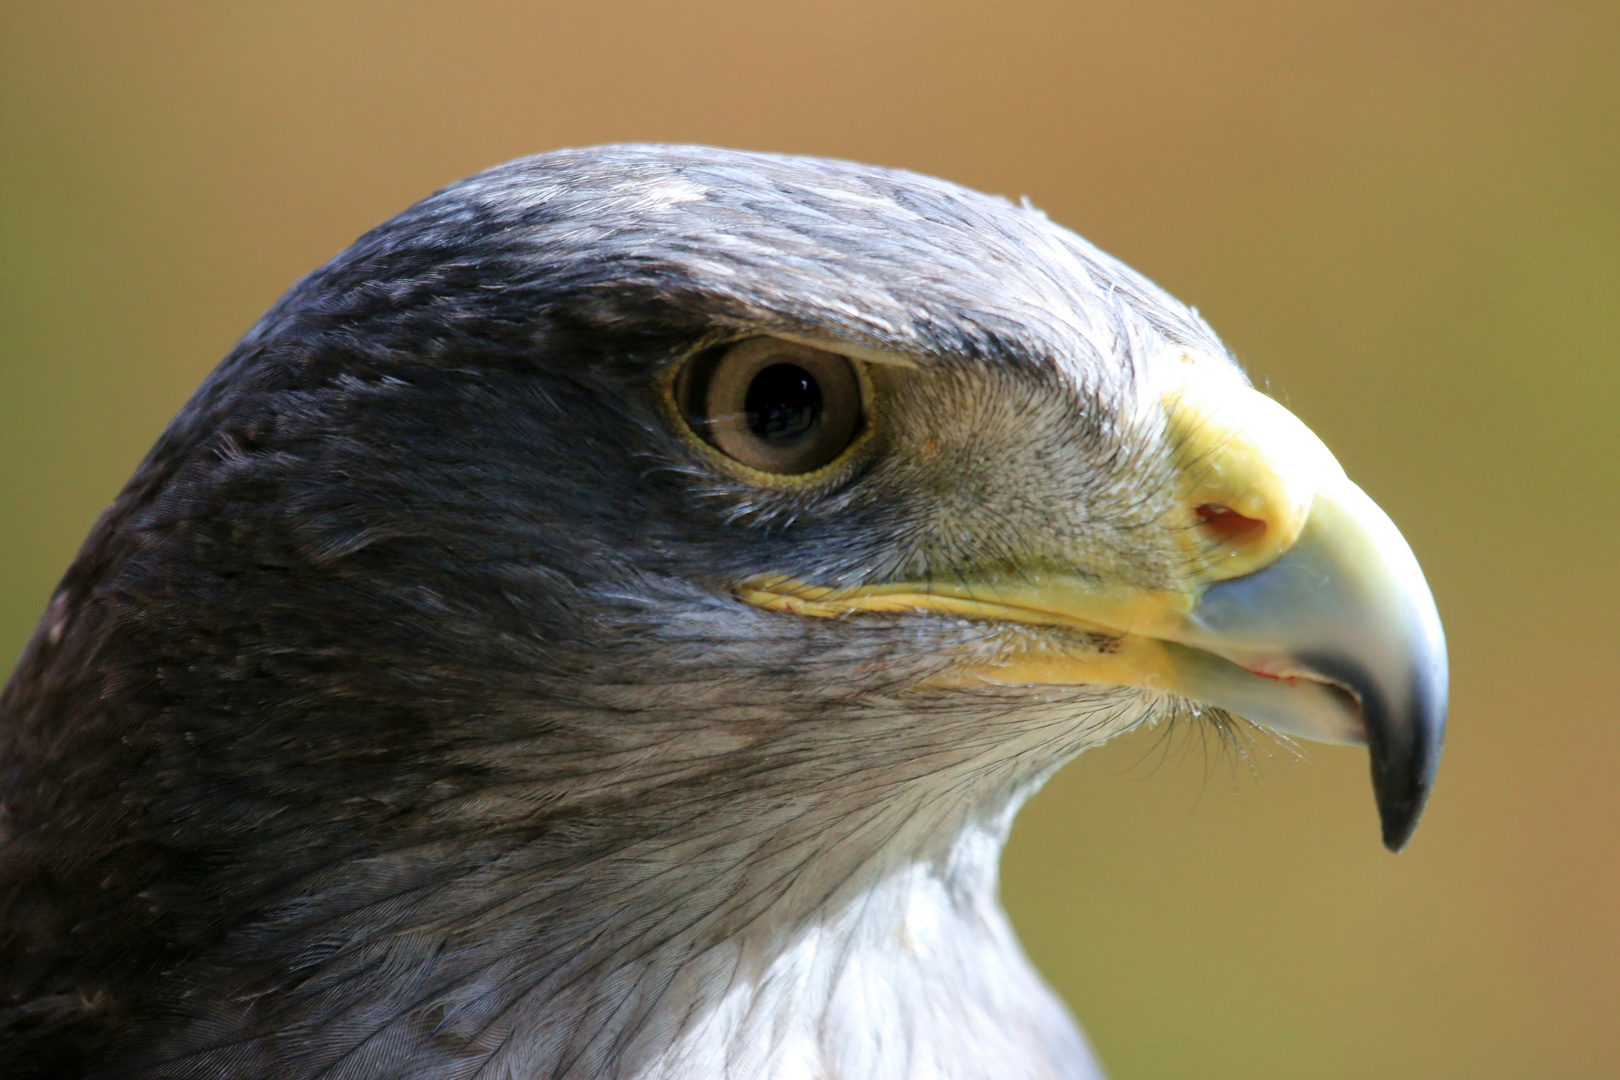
(775, 414)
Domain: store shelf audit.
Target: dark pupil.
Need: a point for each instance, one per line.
(783, 403)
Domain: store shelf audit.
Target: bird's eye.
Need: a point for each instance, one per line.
(772, 405)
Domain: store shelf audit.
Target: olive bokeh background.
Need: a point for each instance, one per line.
(1404, 217)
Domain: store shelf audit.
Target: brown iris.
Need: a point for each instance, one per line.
(772, 405)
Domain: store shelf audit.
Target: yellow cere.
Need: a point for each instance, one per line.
(1239, 450)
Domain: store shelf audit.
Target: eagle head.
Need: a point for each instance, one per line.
(603, 623)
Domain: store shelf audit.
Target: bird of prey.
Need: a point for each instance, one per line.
(603, 623)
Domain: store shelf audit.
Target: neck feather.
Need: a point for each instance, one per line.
(910, 970)
(832, 914)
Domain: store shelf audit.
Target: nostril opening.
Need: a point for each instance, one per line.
(1229, 528)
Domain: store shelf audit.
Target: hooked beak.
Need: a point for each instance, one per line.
(1344, 609)
(1303, 608)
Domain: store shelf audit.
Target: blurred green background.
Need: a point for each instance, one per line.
(1403, 217)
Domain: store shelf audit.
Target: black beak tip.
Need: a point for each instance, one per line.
(1399, 814)
(1404, 759)
(1403, 740)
